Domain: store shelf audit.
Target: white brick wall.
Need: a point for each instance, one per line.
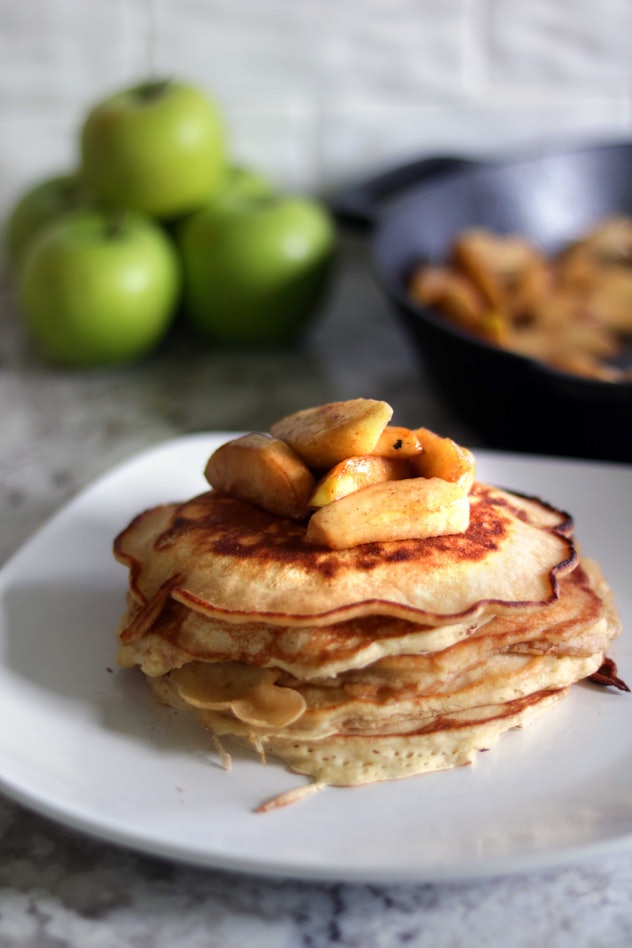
(319, 91)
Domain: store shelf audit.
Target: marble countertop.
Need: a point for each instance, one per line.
(58, 431)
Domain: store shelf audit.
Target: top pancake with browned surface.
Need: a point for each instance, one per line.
(222, 556)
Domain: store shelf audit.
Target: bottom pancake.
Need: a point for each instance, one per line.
(352, 760)
(346, 760)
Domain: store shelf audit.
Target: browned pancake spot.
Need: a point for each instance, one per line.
(221, 525)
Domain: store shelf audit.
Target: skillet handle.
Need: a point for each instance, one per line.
(363, 203)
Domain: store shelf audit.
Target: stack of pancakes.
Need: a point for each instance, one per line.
(374, 662)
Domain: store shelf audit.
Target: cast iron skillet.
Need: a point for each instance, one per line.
(511, 401)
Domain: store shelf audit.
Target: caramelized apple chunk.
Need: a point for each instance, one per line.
(263, 471)
(414, 508)
(330, 433)
(445, 459)
(397, 442)
(355, 473)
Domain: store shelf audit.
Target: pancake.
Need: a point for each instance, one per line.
(179, 635)
(348, 760)
(575, 623)
(351, 661)
(224, 557)
(409, 692)
(353, 760)
(237, 705)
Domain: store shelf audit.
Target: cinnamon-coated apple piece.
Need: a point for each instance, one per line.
(354, 474)
(414, 508)
(397, 442)
(263, 471)
(330, 433)
(444, 458)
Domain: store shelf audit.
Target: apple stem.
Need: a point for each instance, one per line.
(152, 89)
(114, 224)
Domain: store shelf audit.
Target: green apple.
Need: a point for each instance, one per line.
(39, 206)
(255, 268)
(97, 288)
(158, 147)
(242, 182)
(238, 182)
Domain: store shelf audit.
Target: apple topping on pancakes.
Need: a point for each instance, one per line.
(377, 482)
(348, 599)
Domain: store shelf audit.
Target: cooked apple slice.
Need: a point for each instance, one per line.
(250, 693)
(414, 508)
(444, 458)
(263, 471)
(327, 434)
(475, 253)
(356, 473)
(396, 442)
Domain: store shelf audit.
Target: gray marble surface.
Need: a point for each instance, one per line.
(58, 431)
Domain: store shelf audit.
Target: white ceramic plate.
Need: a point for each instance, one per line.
(83, 743)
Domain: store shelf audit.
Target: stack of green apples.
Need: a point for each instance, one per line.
(156, 221)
